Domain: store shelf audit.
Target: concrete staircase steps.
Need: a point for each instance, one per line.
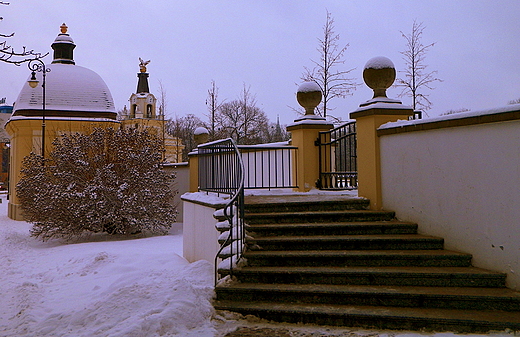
(368, 258)
(345, 242)
(318, 216)
(393, 276)
(380, 317)
(394, 296)
(334, 228)
(300, 203)
(329, 260)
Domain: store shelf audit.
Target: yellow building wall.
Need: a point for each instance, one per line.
(307, 166)
(368, 151)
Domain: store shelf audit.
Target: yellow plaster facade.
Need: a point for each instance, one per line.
(368, 152)
(307, 170)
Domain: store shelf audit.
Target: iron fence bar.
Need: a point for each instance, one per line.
(337, 158)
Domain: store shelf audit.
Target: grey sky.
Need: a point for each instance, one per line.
(266, 44)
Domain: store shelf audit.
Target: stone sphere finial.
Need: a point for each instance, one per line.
(309, 96)
(201, 135)
(379, 75)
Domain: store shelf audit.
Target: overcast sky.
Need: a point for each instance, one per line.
(266, 44)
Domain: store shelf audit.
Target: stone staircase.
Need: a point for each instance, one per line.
(327, 260)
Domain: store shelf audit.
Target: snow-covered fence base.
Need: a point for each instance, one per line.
(459, 179)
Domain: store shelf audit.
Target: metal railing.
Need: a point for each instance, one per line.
(337, 158)
(269, 166)
(221, 170)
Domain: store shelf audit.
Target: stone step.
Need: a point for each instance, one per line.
(318, 216)
(397, 318)
(301, 203)
(373, 258)
(392, 276)
(334, 228)
(394, 296)
(346, 242)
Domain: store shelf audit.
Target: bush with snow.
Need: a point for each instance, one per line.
(108, 181)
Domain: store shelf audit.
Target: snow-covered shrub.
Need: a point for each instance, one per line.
(108, 181)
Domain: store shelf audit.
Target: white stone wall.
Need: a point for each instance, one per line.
(463, 184)
(200, 237)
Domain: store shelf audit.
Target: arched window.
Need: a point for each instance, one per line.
(149, 111)
(132, 111)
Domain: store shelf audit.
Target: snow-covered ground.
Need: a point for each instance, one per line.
(106, 286)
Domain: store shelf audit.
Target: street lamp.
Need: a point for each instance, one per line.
(34, 66)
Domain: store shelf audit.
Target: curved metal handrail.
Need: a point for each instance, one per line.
(232, 184)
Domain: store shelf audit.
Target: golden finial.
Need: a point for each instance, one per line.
(143, 64)
(63, 28)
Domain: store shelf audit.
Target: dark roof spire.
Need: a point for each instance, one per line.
(63, 47)
(142, 84)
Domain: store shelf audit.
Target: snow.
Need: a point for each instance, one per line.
(379, 62)
(383, 105)
(461, 115)
(68, 87)
(206, 197)
(101, 287)
(115, 287)
(309, 87)
(310, 120)
(200, 130)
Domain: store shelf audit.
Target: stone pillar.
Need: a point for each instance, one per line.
(379, 75)
(304, 133)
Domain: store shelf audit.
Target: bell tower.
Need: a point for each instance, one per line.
(143, 103)
(143, 115)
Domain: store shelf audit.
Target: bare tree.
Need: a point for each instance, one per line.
(183, 127)
(332, 81)
(9, 55)
(416, 78)
(213, 107)
(242, 120)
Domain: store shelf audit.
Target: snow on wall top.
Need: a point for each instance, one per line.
(68, 87)
(461, 115)
(379, 62)
(308, 87)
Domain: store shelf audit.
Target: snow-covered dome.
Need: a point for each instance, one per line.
(200, 130)
(309, 87)
(68, 88)
(379, 62)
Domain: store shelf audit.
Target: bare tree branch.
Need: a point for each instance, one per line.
(416, 77)
(8, 53)
(333, 83)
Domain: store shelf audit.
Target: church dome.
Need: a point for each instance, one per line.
(70, 90)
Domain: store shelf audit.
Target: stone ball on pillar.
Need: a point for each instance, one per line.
(201, 135)
(379, 75)
(309, 96)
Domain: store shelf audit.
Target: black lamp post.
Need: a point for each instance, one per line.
(34, 66)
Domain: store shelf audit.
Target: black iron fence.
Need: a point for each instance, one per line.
(337, 158)
(221, 170)
(269, 166)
